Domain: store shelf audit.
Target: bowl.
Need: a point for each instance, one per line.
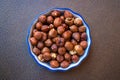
(86, 52)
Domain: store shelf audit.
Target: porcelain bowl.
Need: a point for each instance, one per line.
(46, 65)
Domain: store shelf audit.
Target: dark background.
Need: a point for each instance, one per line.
(103, 62)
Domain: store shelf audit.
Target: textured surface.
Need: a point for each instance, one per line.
(103, 17)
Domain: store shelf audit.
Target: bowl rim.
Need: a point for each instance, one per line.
(71, 65)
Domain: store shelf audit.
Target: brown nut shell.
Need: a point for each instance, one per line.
(61, 50)
(33, 41)
(36, 51)
(64, 64)
(84, 44)
(47, 56)
(42, 18)
(67, 14)
(60, 58)
(69, 46)
(76, 36)
(54, 63)
(79, 49)
(57, 22)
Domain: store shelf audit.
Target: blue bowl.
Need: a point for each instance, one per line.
(46, 65)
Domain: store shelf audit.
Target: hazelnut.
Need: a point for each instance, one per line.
(79, 49)
(52, 33)
(54, 63)
(60, 41)
(57, 22)
(78, 22)
(75, 58)
(83, 36)
(55, 39)
(43, 18)
(40, 45)
(45, 28)
(36, 51)
(67, 56)
(53, 55)
(82, 29)
(54, 48)
(45, 49)
(67, 14)
(50, 19)
(38, 25)
(73, 28)
(55, 13)
(60, 58)
(83, 44)
(67, 34)
(74, 42)
(69, 21)
(44, 36)
(62, 18)
(48, 42)
(69, 46)
(34, 30)
(40, 58)
(65, 26)
(61, 50)
(33, 41)
(72, 52)
(76, 36)
(37, 35)
(64, 64)
(51, 26)
(47, 56)
(60, 29)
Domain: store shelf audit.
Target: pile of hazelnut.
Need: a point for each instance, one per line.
(58, 38)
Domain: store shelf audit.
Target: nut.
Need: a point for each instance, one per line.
(83, 44)
(73, 28)
(82, 29)
(79, 50)
(53, 55)
(51, 26)
(61, 50)
(40, 45)
(43, 18)
(57, 22)
(67, 56)
(44, 36)
(45, 28)
(60, 29)
(74, 42)
(45, 49)
(38, 35)
(36, 51)
(38, 25)
(54, 48)
(69, 46)
(64, 64)
(40, 58)
(47, 56)
(72, 52)
(75, 58)
(67, 34)
(67, 14)
(69, 21)
(50, 19)
(54, 63)
(65, 26)
(60, 58)
(83, 36)
(33, 41)
(52, 33)
(62, 18)
(55, 13)
(34, 30)
(60, 41)
(76, 36)
(48, 42)
(78, 22)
